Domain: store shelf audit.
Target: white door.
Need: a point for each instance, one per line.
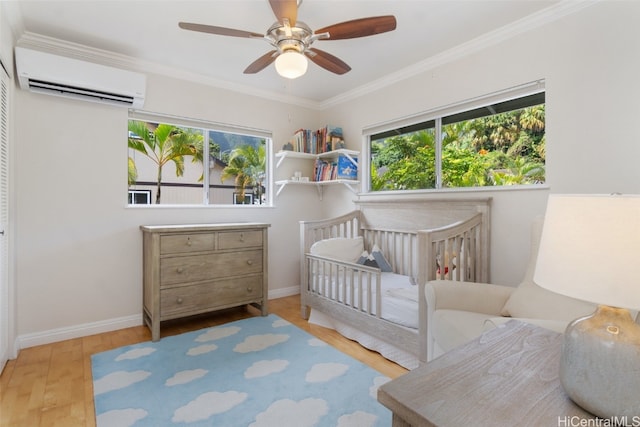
(5, 324)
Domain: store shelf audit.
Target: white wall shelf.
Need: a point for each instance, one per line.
(283, 154)
(349, 183)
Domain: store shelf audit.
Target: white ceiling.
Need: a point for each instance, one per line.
(147, 32)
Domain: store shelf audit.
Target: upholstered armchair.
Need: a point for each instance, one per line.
(460, 311)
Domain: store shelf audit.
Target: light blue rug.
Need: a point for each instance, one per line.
(259, 372)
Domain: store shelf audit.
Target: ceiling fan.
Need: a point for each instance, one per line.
(292, 39)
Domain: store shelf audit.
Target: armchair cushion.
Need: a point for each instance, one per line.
(467, 296)
(452, 328)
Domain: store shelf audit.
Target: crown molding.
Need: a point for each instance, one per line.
(104, 57)
(531, 22)
(78, 51)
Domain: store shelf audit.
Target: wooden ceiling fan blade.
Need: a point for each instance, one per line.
(359, 27)
(328, 61)
(261, 63)
(222, 31)
(285, 9)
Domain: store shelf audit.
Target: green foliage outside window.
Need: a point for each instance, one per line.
(507, 148)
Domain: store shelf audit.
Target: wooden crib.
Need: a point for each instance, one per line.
(422, 239)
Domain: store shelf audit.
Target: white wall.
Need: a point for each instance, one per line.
(591, 65)
(78, 246)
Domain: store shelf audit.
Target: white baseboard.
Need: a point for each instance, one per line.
(77, 331)
(4, 358)
(284, 292)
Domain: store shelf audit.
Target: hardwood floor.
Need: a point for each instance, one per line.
(51, 385)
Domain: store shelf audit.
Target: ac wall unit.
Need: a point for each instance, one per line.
(50, 74)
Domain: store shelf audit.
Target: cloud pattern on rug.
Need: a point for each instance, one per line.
(287, 412)
(259, 342)
(265, 367)
(117, 380)
(184, 377)
(208, 404)
(262, 372)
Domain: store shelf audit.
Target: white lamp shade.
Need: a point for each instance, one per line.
(590, 249)
(291, 64)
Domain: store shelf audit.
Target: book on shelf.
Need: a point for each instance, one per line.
(346, 168)
(328, 138)
(339, 168)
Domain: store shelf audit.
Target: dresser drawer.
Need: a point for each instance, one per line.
(239, 239)
(180, 243)
(184, 269)
(204, 297)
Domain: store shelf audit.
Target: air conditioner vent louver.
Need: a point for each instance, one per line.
(50, 74)
(78, 92)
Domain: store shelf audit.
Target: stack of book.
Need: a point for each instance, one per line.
(329, 138)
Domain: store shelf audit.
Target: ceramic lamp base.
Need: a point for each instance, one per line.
(600, 363)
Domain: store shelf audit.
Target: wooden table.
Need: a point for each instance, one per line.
(506, 377)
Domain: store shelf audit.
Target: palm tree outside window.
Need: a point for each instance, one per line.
(168, 160)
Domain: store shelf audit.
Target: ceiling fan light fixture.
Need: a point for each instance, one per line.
(291, 64)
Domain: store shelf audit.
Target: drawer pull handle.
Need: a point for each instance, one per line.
(188, 241)
(242, 237)
(250, 262)
(179, 270)
(179, 300)
(249, 289)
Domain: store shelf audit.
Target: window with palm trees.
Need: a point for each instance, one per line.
(498, 144)
(168, 160)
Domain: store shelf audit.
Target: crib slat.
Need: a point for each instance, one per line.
(378, 297)
(352, 290)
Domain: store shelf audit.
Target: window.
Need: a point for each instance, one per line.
(139, 197)
(495, 141)
(167, 163)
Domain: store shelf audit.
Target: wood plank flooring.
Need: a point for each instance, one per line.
(51, 385)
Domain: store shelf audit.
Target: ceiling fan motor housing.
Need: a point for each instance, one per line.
(285, 37)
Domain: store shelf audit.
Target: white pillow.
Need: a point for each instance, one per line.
(532, 301)
(340, 248)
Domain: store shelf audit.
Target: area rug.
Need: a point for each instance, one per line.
(258, 372)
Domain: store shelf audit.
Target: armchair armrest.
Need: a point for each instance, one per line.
(467, 296)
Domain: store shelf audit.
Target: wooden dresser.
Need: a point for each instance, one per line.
(196, 268)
